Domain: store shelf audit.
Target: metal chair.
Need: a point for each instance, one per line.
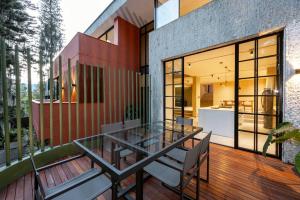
(178, 175)
(184, 121)
(87, 186)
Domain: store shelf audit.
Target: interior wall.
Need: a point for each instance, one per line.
(222, 92)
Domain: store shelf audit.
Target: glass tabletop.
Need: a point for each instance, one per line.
(127, 147)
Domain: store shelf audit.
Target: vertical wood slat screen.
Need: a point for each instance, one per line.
(109, 95)
(51, 102)
(18, 103)
(98, 99)
(115, 99)
(120, 94)
(30, 128)
(85, 99)
(92, 99)
(41, 102)
(5, 102)
(77, 100)
(60, 101)
(104, 96)
(129, 100)
(69, 100)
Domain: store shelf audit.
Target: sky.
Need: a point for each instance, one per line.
(77, 16)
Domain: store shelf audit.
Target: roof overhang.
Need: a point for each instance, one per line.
(137, 12)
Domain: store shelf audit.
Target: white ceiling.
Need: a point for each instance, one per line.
(138, 13)
(187, 6)
(213, 62)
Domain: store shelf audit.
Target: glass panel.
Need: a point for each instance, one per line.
(187, 6)
(177, 91)
(177, 65)
(110, 36)
(246, 69)
(246, 104)
(267, 66)
(169, 90)
(267, 86)
(169, 67)
(266, 123)
(150, 27)
(246, 122)
(246, 140)
(177, 112)
(169, 113)
(261, 139)
(166, 11)
(247, 50)
(169, 79)
(178, 78)
(246, 86)
(103, 38)
(267, 46)
(267, 105)
(169, 102)
(147, 49)
(143, 53)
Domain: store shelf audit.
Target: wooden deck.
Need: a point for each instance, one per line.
(234, 174)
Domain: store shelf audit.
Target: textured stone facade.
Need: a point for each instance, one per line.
(226, 21)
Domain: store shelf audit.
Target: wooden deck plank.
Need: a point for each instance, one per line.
(234, 174)
(20, 189)
(3, 193)
(11, 191)
(28, 192)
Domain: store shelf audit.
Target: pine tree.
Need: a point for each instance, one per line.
(51, 32)
(17, 26)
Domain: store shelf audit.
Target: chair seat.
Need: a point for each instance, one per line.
(88, 190)
(163, 173)
(177, 154)
(200, 136)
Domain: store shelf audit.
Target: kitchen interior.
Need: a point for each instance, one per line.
(209, 93)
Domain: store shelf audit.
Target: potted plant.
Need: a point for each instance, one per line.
(285, 131)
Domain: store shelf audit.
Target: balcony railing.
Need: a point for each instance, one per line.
(90, 97)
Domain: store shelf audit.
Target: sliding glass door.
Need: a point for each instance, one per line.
(173, 102)
(258, 92)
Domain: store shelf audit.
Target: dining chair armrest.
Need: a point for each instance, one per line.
(59, 162)
(63, 190)
(180, 169)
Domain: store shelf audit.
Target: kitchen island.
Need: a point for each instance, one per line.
(218, 120)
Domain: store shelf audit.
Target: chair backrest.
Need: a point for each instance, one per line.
(37, 181)
(112, 127)
(132, 123)
(184, 121)
(205, 143)
(192, 155)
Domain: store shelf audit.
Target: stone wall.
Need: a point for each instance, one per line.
(292, 85)
(226, 21)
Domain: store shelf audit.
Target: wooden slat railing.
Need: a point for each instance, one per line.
(108, 94)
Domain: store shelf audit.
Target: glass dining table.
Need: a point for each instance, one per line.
(125, 152)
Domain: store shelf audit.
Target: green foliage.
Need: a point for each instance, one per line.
(16, 24)
(297, 163)
(51, 32)
(285, 131)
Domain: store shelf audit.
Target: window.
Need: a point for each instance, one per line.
(108, 36)
(167, 11)
(144, 43)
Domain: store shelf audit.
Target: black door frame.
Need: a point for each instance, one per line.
(279, 102)
(280, 35)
